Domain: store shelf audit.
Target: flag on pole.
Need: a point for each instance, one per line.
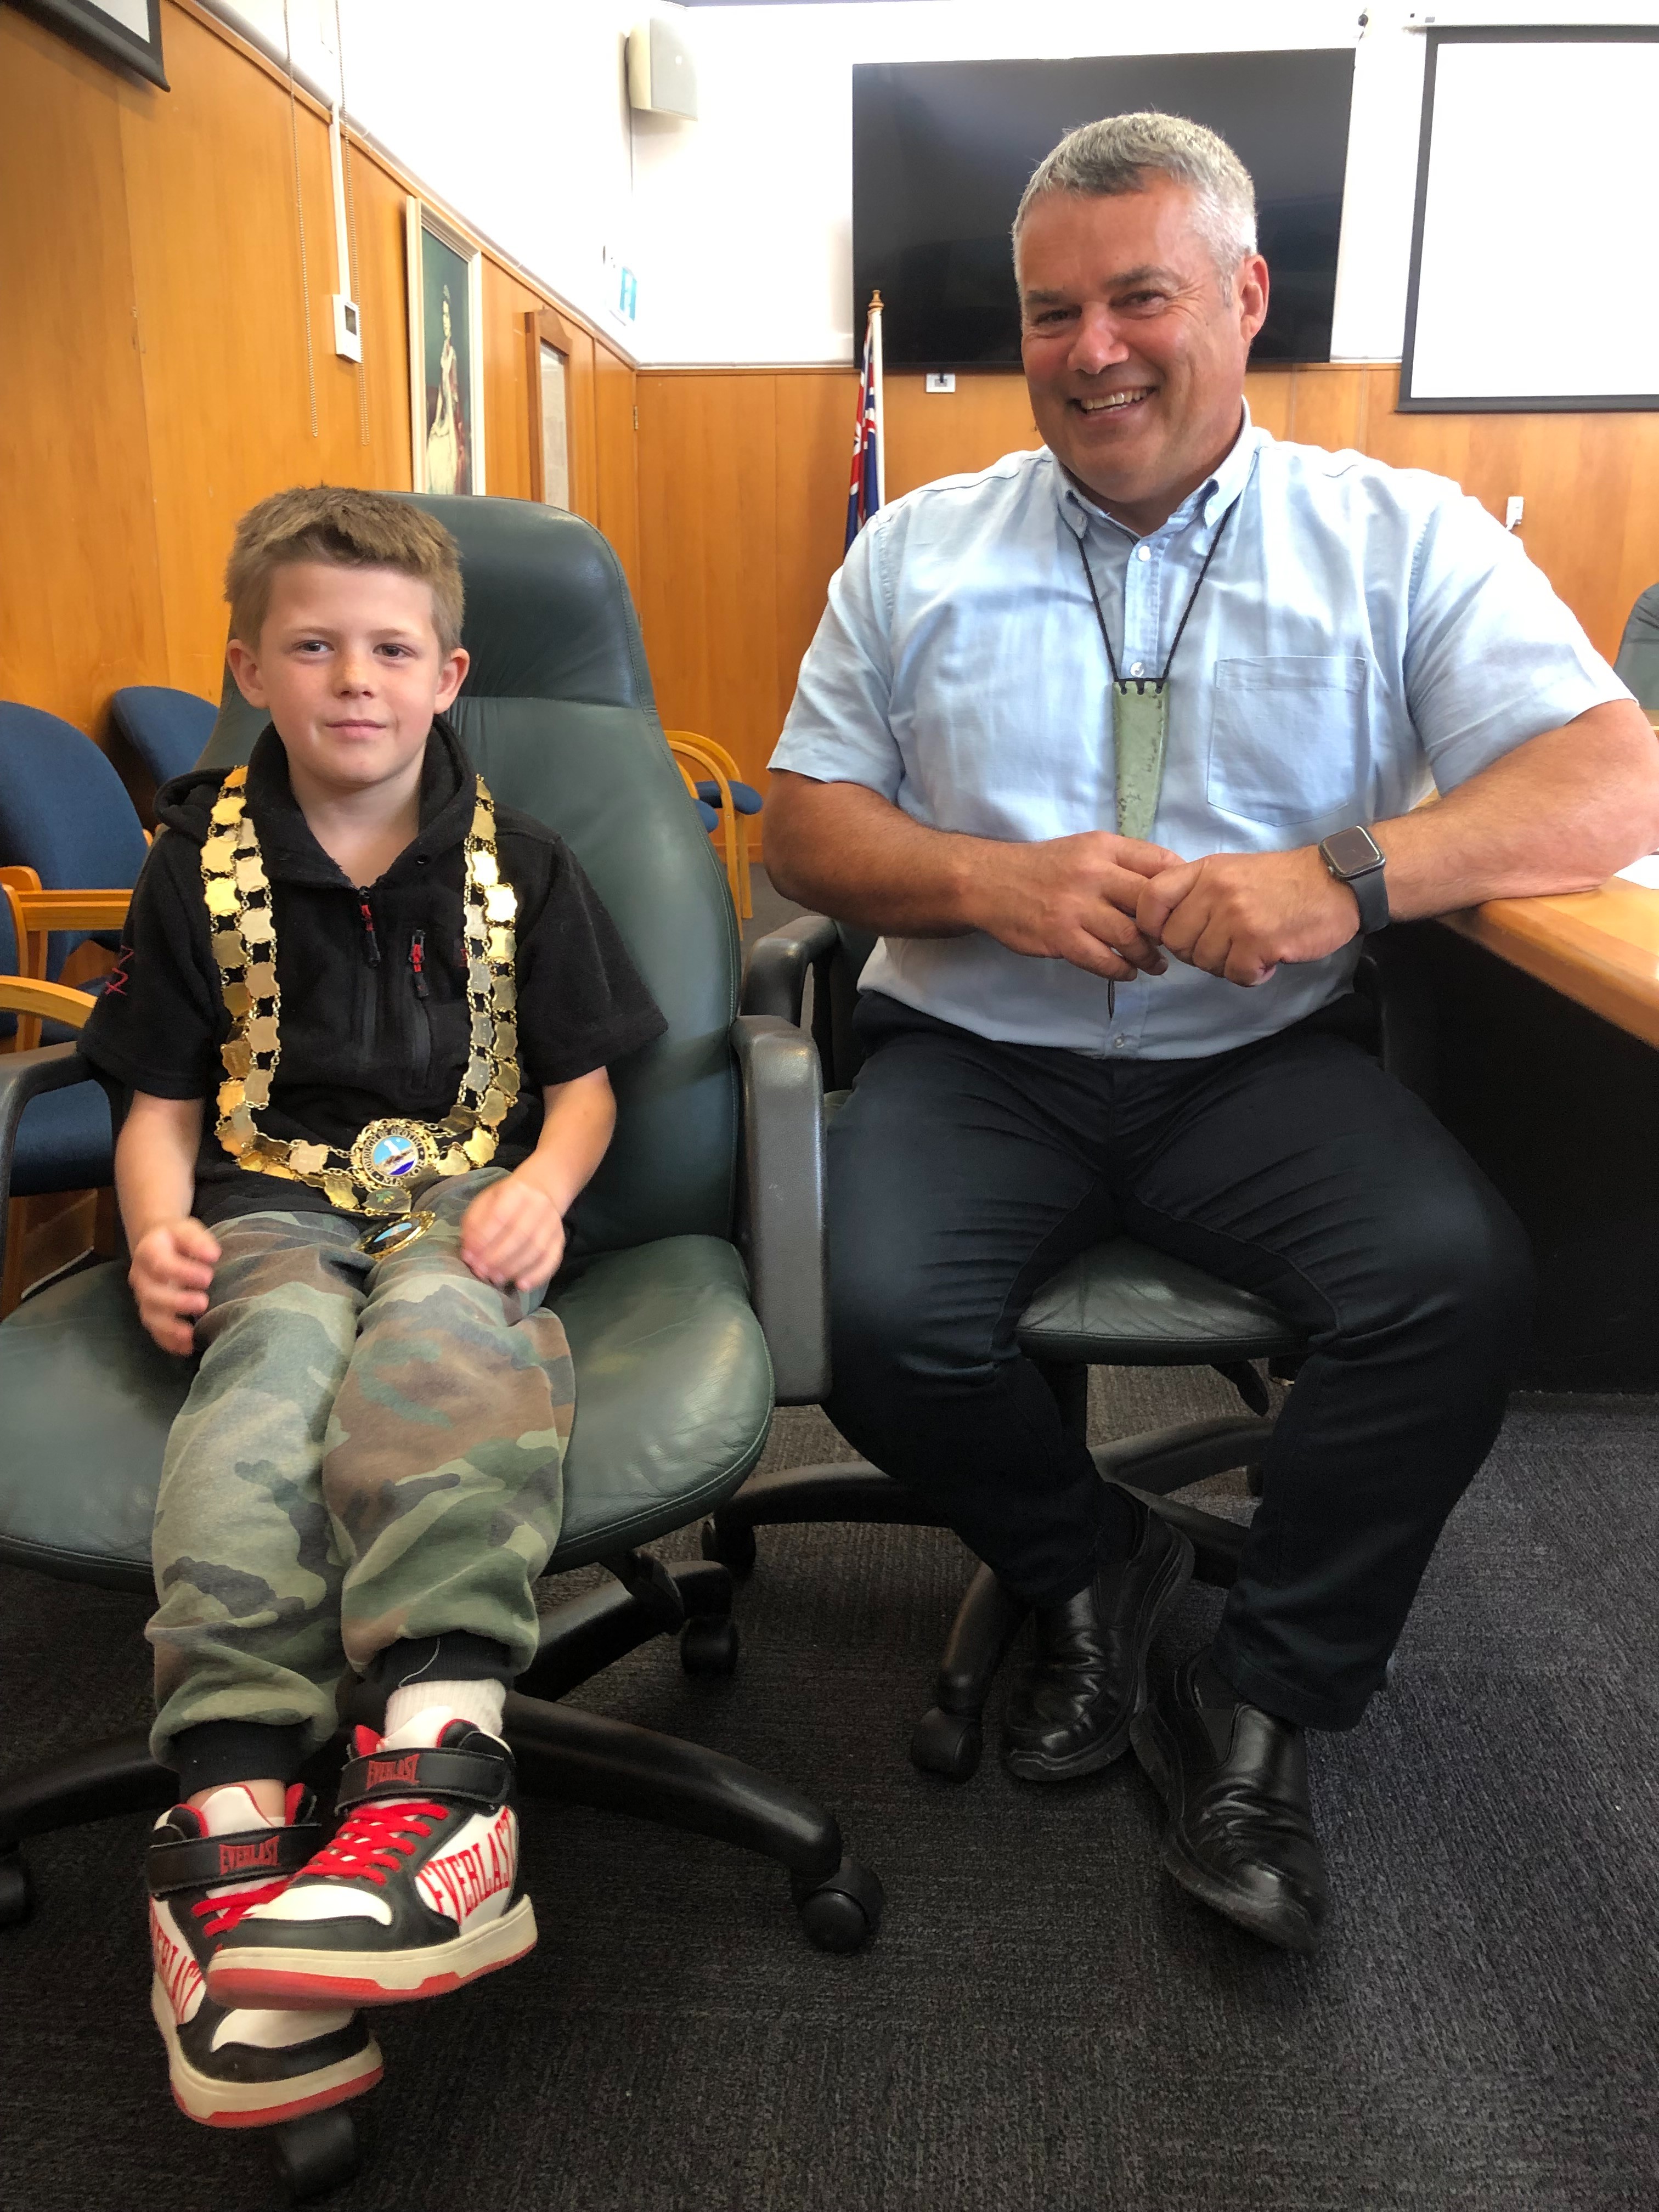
(868, 487)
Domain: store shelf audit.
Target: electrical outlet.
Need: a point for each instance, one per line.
(941, 380)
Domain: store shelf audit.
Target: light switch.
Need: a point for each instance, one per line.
(1512, 507)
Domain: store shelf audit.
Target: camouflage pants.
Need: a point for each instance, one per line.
(370, 1450)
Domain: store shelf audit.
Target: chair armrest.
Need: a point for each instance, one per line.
(780, 963)
(23, 994)
(780, 1201)
(23, 1076)
(74, 910)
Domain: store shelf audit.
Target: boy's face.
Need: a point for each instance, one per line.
(349, 667)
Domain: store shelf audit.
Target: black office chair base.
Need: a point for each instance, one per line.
(851, 1491)
(585, 1758)
(577, 1756)
(316, 2155)
(948, 1740)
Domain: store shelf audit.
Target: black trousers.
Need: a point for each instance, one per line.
(963, 1173)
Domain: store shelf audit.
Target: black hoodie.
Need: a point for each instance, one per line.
(374, 1018)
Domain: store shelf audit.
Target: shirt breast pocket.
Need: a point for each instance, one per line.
(1289, 740)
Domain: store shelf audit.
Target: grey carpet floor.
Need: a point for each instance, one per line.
(1045, 2020)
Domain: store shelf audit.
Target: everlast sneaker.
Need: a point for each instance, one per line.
(232, 2068)
(417, 1893)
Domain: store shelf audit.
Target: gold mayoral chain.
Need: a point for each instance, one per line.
(391, 1161)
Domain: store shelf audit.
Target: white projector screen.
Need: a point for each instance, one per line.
(1533, 285)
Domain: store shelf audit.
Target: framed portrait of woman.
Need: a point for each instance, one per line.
(446, 354)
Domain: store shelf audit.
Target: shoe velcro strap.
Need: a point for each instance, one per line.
(473, 1777)
(202, 1863)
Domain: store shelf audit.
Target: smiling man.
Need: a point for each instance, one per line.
(1117, 743)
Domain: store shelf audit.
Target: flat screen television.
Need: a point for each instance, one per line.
(942, 151)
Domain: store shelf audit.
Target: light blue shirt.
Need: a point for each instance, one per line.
(1365, 633)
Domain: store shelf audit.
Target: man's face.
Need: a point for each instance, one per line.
(1134, 347)
(350, 669)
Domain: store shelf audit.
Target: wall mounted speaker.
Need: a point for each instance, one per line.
(662, 76)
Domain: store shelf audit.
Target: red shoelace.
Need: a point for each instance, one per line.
(369, 1845)
(219, 1915)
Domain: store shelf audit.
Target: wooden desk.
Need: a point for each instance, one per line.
(1599, 948)
(1544, 1014)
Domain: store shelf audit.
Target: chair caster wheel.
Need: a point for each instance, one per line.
(843, 1911)
(947, 1744)
(733, 1546)
(709, 1645)
(16, 1891)
(1253, 1481)
(317, 2154)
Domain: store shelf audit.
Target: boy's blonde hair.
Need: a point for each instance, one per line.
(349, 529)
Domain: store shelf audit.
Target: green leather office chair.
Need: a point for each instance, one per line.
(1120, 1304)
(1637, 664)
(693, 1291)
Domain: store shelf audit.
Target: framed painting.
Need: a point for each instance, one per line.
(445, 354)
(126, 32)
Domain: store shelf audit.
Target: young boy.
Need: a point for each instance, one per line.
(365, 1018)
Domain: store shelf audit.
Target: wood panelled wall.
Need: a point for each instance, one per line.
(153, 382)
(152, 376)
(743, 478)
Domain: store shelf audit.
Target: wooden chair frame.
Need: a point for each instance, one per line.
(717, 766)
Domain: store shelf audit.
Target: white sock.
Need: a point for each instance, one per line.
(480, 1702)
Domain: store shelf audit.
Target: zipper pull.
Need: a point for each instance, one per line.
(418, 964)
(372, 942)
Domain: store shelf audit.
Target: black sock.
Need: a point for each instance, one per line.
(1212, 1687)
(1122, 1522)
(1217, 1694)
(216, 1752)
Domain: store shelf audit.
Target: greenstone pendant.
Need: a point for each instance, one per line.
(1139, 720)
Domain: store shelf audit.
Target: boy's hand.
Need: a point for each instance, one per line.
(172, 1267)
(512, 1234)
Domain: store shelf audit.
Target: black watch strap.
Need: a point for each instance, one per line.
(1354, 857)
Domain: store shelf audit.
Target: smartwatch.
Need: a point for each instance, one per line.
(1355, 858)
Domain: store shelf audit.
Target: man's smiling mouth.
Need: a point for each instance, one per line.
(1113, 403)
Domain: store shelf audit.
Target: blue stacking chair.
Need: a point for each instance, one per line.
(168, 730)
(63, 1139)
(65, 813)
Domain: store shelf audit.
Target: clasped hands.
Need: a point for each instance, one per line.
(1115, 906)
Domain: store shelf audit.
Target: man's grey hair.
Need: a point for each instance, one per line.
(1122, 153)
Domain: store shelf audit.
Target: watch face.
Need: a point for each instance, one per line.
(1350, 852)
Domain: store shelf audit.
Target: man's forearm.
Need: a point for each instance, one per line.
(846, 850)
(1561, 813)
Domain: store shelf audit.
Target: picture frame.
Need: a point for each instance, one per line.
(445, 354)
(126, 32)
(548, 346)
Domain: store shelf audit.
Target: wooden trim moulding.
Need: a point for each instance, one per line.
(744, 367)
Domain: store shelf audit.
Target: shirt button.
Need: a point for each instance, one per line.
(1119, 1041)
(1137, 668)
(1143, 552)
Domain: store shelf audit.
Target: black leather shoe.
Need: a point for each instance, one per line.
(1071, 1714)
(1240, 1833)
